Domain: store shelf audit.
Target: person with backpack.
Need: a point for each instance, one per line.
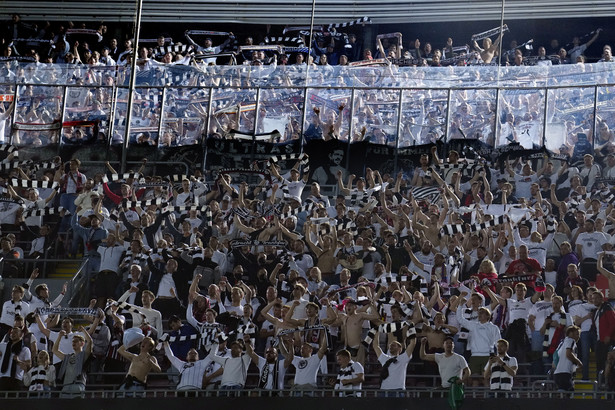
(566, 362)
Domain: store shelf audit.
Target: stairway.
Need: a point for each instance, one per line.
(583, 389)
(65, 269)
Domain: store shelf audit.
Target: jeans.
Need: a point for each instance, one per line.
(587, 342)
(67, 201)
(229, 389)
(460, 345)
(136, 390)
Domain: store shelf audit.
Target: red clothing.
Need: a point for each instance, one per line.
(605, 321)
(524, 267)
(117, 199)
(492, 277)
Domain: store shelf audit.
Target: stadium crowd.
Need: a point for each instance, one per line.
(70, 43)
(498, 270)
(492, 275)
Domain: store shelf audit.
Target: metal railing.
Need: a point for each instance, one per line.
(415, 392)
(404, 98)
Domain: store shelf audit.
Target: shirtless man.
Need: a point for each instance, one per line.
(352, 326)
(438, 332)
(140, 365)
(325, 250)
(489, 48)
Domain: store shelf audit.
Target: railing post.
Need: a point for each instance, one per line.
(544, 117)
(399, 114)
(350, 129)
(595, 120)
(161, 120)
(448, 114)
(62, 118)
(496, 131)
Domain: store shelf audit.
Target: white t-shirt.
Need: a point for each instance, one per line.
(306, 369)
(591, 244)
(519, 309)
(522, 185)
(190, 373)
(10, 309)
(397, 372)
(235, 369)
(565, 365)
(581, 309)
(540, 311)
(110, 257)
(450, 366)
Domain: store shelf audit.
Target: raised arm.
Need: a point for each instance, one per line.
(322, 346)
(376, 344)
(425, 356)
(243, 228)
(288, 357)
(56, 346)
(125, 354)
(250, 350)
(89, 344)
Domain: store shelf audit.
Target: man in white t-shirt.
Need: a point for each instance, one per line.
(395, 365)
(235, 366)
(589, 243)
(518, 306)
(583, 314)
(568, 361)
(450, 364)
(306, 365)
(524, 180)
(579, 48)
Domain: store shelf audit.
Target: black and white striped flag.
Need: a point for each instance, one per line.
(121, 177)
(430, 194)
(284, 39)
(176, 48)
(364, 20)
(29, 183)
(42, 212)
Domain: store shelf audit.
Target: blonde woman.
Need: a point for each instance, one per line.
(41, 377)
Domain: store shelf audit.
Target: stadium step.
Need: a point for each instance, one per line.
(65, 270)
(584, 389)
(593, 369)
